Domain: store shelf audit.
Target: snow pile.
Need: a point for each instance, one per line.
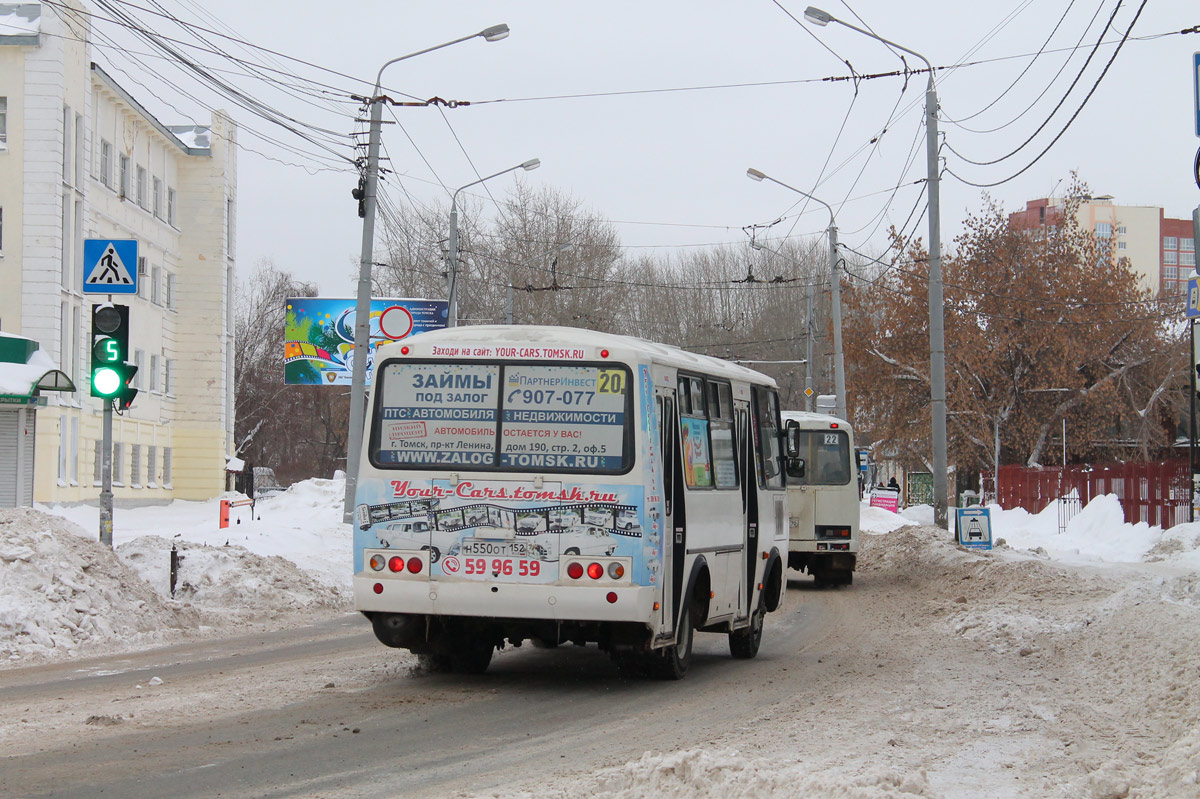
(303, 524)
(63, 593)
(229, 580)
(725, 774)
(60, 591)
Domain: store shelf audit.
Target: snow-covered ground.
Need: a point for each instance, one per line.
(1108, 608)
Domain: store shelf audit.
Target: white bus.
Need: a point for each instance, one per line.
(823, 503)
(600, 488)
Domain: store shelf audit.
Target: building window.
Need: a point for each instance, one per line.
(1104, 230)
(123, 176)
(74, 457)
(96, 476)
(118, 464)
(106, 163)
(155, 292)
(1188, 245)
(229, 227)
(152, 467)
(79, 141)
(154, 373)
(169, 290)
(1171, 272)
(1120, 230)
(1170, 257)
(1187, 258)
(168, 368)
(1, 229)
(1120, 245)
(157, 198)
(1170, 243)
(170, 206)
(166, 481)
(139, 360)
(62, 450)
(3, 123)
(135, 466)
(66, 153)
(142, 196)
(143, 271)
(65, 250)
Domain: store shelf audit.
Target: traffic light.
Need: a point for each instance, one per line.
(360, 193)
(111, 374)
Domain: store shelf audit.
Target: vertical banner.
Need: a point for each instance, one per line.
(319, 334)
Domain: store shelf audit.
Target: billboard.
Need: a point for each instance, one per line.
(318, 336)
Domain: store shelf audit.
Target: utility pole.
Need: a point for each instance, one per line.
(839, 363)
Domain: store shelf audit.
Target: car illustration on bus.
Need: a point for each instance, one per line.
(627, 519)
(586, 540)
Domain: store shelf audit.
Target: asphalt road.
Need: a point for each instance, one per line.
(325, 711)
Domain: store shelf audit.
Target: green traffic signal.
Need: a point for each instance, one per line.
(106, 382)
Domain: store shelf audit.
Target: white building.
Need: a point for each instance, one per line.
(80, 158)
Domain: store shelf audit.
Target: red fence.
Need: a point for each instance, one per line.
(1155, 493)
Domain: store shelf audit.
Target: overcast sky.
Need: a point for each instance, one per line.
(668, 167)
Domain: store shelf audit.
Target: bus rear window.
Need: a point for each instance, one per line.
(510, 417)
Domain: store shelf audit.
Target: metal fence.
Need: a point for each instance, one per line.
(1155, 493)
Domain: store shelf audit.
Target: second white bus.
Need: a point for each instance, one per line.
(578, 487)
(823, 502)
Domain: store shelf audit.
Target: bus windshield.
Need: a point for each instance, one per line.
(503, 417)
(826, 456)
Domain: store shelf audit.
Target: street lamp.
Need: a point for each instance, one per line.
(509, 308)
(839, 364)
(808, 328)
(532, 163)
(362, 318)
(937, 333)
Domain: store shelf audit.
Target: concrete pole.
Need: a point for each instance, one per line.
(839, 363)
(809, 392)
(937, 333)
(452, 264)
(362, 313)
(509, 308)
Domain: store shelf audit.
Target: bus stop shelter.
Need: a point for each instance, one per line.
(25, 372)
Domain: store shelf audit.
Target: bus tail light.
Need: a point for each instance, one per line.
(396, 563)
(414, 564)
(616, 570)
(575, 570)
(378, 562)
(611, 596)
(595, 571)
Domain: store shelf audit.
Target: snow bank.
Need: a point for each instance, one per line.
(60, 592)
(725, 774)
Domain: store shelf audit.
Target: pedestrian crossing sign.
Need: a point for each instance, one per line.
(110, 266)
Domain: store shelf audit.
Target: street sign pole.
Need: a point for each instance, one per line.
(106, 495)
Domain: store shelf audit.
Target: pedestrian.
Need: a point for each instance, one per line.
(892, 484)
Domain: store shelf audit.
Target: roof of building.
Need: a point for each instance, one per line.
(190, 143)
(20, 23)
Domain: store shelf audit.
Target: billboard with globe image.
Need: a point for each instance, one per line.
(318, 340)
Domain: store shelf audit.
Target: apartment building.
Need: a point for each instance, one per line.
(81, 158)
(1161, 250)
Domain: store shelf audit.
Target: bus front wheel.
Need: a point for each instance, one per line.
(744, 643)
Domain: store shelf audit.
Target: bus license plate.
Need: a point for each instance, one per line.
(478, 547)
(479, 568)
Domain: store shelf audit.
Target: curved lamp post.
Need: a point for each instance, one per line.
(937, 333)
(452, 321)
(839, 363)
(362, 318)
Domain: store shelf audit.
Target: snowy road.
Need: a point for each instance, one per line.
(940, 673)
(326, 711)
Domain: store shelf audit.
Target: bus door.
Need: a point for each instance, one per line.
(673, 530)
(749, 480)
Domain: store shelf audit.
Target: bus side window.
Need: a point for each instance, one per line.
(766, 424)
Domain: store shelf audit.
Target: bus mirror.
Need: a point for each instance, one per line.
(796, 467)
(792, 449)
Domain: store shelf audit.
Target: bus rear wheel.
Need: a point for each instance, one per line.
(471, 657)
(744, 643)
(673, 662)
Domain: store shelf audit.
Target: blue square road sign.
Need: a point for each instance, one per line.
(110, 266)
